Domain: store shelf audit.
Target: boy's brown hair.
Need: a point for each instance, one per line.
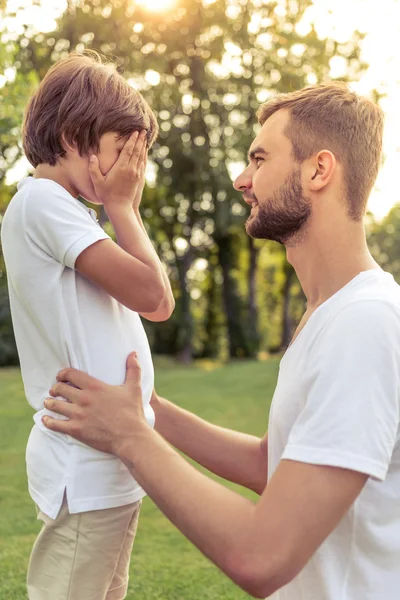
(332, 117)
(81, 98)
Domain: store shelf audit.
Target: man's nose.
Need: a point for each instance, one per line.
(243, 182)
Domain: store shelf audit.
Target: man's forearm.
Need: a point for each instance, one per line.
(235, 456)
(217, 520)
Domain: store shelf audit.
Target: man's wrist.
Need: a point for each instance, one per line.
(155, 401)
(129, 447)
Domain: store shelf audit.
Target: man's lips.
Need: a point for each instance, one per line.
(250, 201)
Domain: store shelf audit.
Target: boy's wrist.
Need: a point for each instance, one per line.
(115, 210)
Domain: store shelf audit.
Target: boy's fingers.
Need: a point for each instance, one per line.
(141, 144)
(128, 149)
(94, 170)
(142, 162)
(143, 157)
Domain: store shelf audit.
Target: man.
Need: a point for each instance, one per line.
(327, 524)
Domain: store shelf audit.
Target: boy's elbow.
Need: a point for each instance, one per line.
(170, 308)
(163, 312)
(154, 298)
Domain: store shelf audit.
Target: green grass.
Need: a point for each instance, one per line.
(165, 566)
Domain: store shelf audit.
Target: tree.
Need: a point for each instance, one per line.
(204, 67)
(384, 242)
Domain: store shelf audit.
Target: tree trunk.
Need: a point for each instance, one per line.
(211, 320)
(253, 312)
(185, 344)
(237, 338)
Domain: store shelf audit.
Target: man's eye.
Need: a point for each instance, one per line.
(258, 160)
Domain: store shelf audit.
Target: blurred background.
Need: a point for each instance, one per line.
(205, 66)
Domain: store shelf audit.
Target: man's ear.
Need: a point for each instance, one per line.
(319, 171)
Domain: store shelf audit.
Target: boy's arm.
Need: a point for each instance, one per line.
(130, 271)
(167, 305)
(233, 455)
(166, 308)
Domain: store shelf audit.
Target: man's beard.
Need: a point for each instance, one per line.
(284, 215)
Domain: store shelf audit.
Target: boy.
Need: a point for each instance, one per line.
(75, 297)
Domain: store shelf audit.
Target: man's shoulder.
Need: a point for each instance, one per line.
(367, 320)
(367, 315)
(374, 298)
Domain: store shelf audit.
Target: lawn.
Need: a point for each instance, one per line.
(165, 566)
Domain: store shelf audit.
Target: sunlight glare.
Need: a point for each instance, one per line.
(157, 5)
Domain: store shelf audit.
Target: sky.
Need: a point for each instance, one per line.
(379, 20)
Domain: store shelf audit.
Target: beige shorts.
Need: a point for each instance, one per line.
(83, 556)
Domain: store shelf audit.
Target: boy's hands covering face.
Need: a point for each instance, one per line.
(122, 185)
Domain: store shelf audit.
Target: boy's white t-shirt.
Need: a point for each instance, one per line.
(337, 403)
(61, 319)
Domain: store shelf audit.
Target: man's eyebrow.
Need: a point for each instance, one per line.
(259, 150)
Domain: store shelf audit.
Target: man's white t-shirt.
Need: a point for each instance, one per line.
(61, 319)
(337, 403)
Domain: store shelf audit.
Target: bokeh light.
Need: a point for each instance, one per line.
(157, 5)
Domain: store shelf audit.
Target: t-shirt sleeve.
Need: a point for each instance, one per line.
(351, 415)
(59, 225)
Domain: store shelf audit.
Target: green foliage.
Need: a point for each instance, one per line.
(8, 350)
(384, 242)
(204, 69)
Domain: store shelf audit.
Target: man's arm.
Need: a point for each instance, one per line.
(261, 546)
(233, 455)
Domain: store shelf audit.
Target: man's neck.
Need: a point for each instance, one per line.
(328, 258)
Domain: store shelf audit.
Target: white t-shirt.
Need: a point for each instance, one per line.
(61, 319)
(337, 403)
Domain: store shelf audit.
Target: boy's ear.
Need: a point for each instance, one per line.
(69, 147)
